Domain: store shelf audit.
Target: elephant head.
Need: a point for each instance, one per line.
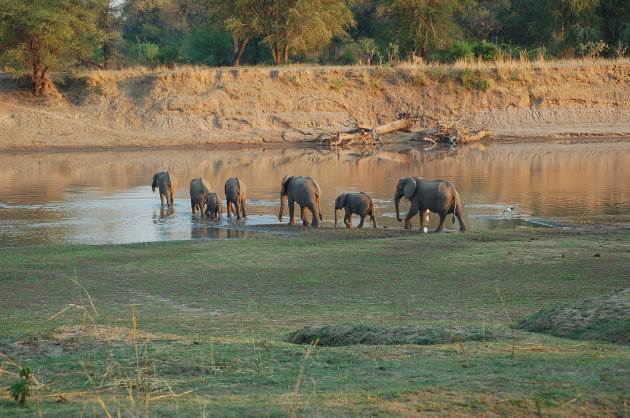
(283, 194)
(340, 202)
(406, 187)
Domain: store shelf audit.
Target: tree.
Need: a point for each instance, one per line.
(40, 36)
(425, 25)
(300, 26)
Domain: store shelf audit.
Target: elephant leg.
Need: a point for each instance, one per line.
(305, 221)
(243, 213)
(192, 206)
(361, 223)
(162, 199)
(201, 207)
(315, 212)
(229, 208)
(237, 209)
(348, 219)
(440, 227)
(291, 213)
(373, 216)
(423, 218)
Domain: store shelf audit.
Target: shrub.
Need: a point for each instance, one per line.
(346, 57)
(167, 55)
(459, 50)
(487, 51)
(471, 80)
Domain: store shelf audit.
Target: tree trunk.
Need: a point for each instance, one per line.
(237, 50)
(286, 54)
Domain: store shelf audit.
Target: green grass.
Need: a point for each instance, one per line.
(213, 315)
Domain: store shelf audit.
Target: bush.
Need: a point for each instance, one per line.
(460, 50)
(487, 51)
(167, 55)
(471, 80)
(346, 57)
(143, 53)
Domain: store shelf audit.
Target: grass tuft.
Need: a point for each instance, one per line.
(337, 335)
(605, 318)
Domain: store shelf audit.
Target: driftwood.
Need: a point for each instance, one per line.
(450, 134)
(360, 133)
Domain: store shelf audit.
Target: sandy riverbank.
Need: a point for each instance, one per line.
(183, 107)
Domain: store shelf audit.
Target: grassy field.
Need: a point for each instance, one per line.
(201, 327)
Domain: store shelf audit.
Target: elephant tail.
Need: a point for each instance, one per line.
(319, 208)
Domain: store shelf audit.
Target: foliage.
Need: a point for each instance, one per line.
(208, 44)
(346, 57)
(591, 49)
(472, 80)
(425, 25)
(460, 50)
(487, 51)
(296, 26)
(20, 390)
(44, 36)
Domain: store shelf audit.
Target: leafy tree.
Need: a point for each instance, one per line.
(425, 25)
(300, 26)
(41, 36)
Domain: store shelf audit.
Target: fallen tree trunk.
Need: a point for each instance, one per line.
(361, 133)
(450, 135)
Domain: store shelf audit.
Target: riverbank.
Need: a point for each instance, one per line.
(197, 106)
(210, 319)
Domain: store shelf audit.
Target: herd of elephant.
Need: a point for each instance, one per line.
(437, 196)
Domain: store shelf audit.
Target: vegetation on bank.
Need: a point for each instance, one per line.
(46, 36)
(198, 327)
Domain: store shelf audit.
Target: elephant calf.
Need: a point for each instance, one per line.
(235, 192)
(437, 196)
(199, 188)
(213, 206)
(166, 184)
(358, 203)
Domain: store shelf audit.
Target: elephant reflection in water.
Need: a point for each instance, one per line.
(165, 213)
(199, 229)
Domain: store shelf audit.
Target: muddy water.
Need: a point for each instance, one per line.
(102, 197)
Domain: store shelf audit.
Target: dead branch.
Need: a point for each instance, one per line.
(450, 134)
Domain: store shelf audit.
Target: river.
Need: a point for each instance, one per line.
(105, 197)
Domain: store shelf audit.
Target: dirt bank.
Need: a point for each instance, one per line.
(137, 108)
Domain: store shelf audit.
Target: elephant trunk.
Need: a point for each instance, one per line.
(283, 198)
(336, 217)
(397, 203)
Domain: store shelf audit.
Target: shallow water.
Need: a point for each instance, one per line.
(102, 197)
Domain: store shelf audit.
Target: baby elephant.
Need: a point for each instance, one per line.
(199, 188)
(213, 206)
(358, 203)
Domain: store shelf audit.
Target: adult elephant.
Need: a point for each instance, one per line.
(166, 184)
(305, 192)
(437, 196)
(235, 194)
(199, 188)
(358, 203)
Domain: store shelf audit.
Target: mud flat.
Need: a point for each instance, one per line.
(187, 107)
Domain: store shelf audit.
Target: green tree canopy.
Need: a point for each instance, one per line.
(299, 26)
(41, 36)
(425, 25)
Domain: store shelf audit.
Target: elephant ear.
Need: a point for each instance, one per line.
(409, 188)
(284, 183)
(340, 201)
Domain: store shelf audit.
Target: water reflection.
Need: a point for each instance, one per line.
(105, 197)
